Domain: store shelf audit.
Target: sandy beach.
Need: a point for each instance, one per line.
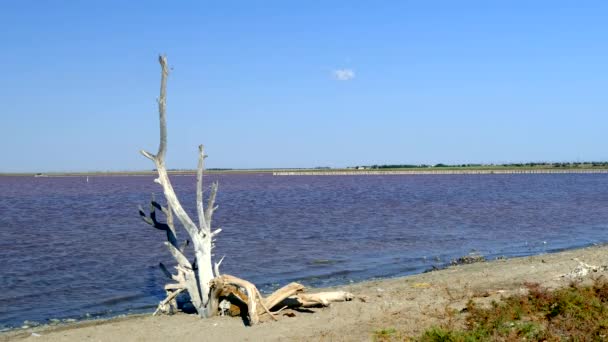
(408, 305)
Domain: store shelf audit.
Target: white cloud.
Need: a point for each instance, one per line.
(343, 74)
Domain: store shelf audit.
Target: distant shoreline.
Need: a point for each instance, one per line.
(330, 172)
(436, 172)
(125, 173)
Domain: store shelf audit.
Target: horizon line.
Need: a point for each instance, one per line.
(270, 169)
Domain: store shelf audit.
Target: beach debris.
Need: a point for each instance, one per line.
(201, 277)
(54, 321)
(421, 285)
(36, 334)
(29, 324)
(471, 258)
(582, 270)
(433, 269)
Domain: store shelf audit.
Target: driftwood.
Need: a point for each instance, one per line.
(201, 278)
(278, 296)
(308, 300)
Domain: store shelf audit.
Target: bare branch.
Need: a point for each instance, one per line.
(159, 207)
(266, 309)
(169, 298)
(152, 220)
(167, 227)
(159, 159)
(165, 270)
(179, 256)
(156, 223)
(308, 300)
(202, 225)
(279, 295)
(211, 204)
(216, 267)
(145, 218)
(169, 214)
(162, 105)
(148, 155)
(173, 287)
(184, 245)
(174, 203)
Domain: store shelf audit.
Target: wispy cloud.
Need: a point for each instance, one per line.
(343, 74)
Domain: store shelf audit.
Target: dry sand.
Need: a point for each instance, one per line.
(408, 304)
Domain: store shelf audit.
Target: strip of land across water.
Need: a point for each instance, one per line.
(402, 307)
(324, 171)
(432, 172)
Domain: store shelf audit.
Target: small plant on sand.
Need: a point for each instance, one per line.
(576, 312)
(387, 334)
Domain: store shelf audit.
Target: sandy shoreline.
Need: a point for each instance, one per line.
(408, 304)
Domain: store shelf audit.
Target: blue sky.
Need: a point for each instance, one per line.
(302, 83)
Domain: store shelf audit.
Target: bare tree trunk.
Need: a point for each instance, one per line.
(201, 278)
(198, 284)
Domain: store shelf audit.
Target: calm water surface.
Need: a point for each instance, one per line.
(72, 249)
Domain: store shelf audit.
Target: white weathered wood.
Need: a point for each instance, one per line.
(323, 298)
(216, 267)
(254, 297)
(197, 277)
(284, 292)
(178, 256)
(199, 190)
(308, 300)
(201, 241)
(170, 298)
(211, 204)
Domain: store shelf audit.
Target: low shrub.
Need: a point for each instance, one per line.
(576, 312)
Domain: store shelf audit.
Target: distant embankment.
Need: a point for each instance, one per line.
(429, 172)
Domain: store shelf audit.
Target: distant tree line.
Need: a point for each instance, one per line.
(530, 164)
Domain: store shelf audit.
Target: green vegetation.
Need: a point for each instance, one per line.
(387, 334)
(574, 313)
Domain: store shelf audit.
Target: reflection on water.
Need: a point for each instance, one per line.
(69, 248)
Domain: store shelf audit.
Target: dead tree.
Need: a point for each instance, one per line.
(201, 278)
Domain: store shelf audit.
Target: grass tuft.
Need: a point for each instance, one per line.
(385, 334)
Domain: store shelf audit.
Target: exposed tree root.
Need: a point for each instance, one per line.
(246, 300)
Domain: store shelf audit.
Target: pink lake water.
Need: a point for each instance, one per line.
(72, 249)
